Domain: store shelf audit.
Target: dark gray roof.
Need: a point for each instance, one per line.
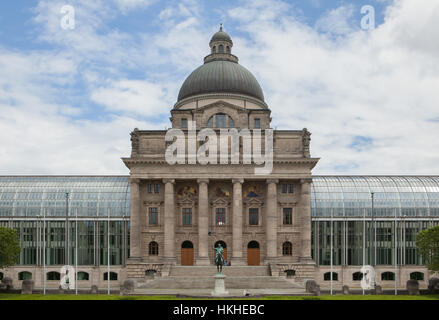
(221, 36)
(221, 76)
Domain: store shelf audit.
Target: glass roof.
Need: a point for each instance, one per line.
(337, 196)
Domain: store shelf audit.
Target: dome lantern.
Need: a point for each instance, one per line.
(221, 74)
(221, 42)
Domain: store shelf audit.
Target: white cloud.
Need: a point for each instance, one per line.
(128, 5)
(337, 21)
(138, 97)
(380, 84)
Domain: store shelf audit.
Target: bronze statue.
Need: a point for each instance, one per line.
(219, 258)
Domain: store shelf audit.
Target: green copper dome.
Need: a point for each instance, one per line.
(221, 73)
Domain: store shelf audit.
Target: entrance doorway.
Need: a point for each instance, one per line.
(253, 254)
(224, 245)
(187, 254)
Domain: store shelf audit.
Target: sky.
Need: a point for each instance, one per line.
(71, 95)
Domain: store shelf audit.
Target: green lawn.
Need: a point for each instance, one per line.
(116, 297)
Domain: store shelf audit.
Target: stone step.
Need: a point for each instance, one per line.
(210, 271)
(258, 282)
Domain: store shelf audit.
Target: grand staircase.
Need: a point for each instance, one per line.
(199, 280)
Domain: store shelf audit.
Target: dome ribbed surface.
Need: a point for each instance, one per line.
(221, 36)
(221, 77)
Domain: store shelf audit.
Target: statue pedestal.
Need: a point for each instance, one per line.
(220, 287)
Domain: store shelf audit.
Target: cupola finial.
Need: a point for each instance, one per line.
(221, 27)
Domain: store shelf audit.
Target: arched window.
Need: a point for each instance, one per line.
(287, 249)
(357, 276)
(153, 248)
(113, 276)
(221, 48)
(228, 49)
(150, 273)
(187, 245)
(253, 245)
(210, 123)
(24, 275)
(83, 276)
(417, 276)
(53, 276)
(221, 120)
(290, 273)
(327, 276)
(1, 276)
(214, 49)
(387, 276)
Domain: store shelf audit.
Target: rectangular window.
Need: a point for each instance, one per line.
(287, 188)
(153, 215)
(220, 216)
(187, 216)
(220, 120)
(253, 216)
(288, 216)
(184, 123)
(150, 188)
(257, 124)
(156, 188)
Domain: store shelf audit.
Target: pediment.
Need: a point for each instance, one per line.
(253, 201)
(221, 107)
(220, 202)
(186, 202)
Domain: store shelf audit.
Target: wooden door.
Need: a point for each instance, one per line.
(253, 256)
(187, 256)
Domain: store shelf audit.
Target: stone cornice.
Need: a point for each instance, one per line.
(151, 160)
(220, 95)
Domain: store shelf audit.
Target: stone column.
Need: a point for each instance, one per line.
(305, 215)
(237, 257)
(203, 222)
(271, 219)
(169, 227)
(135, 220)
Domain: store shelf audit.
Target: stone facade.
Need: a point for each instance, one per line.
(179, 212)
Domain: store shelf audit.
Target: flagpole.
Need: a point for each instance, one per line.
(373, 239)
(76, 254)
(364, 240)
(44, 251)
(108, 252)
(396, 255)
(332, 246)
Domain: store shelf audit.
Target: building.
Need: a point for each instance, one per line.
(163, 215)
(250, 214)
(30, 203)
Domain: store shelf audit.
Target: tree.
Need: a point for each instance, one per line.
(428, 244)
(9, 247)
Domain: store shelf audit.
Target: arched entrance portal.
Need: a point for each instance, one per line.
(224, 245)
(253, 254)
(187, 253)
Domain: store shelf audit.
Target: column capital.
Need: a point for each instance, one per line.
(166, 181)
(238, 180)
(200, 181)
(269, 181)
(308, 180)
(134, 180)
